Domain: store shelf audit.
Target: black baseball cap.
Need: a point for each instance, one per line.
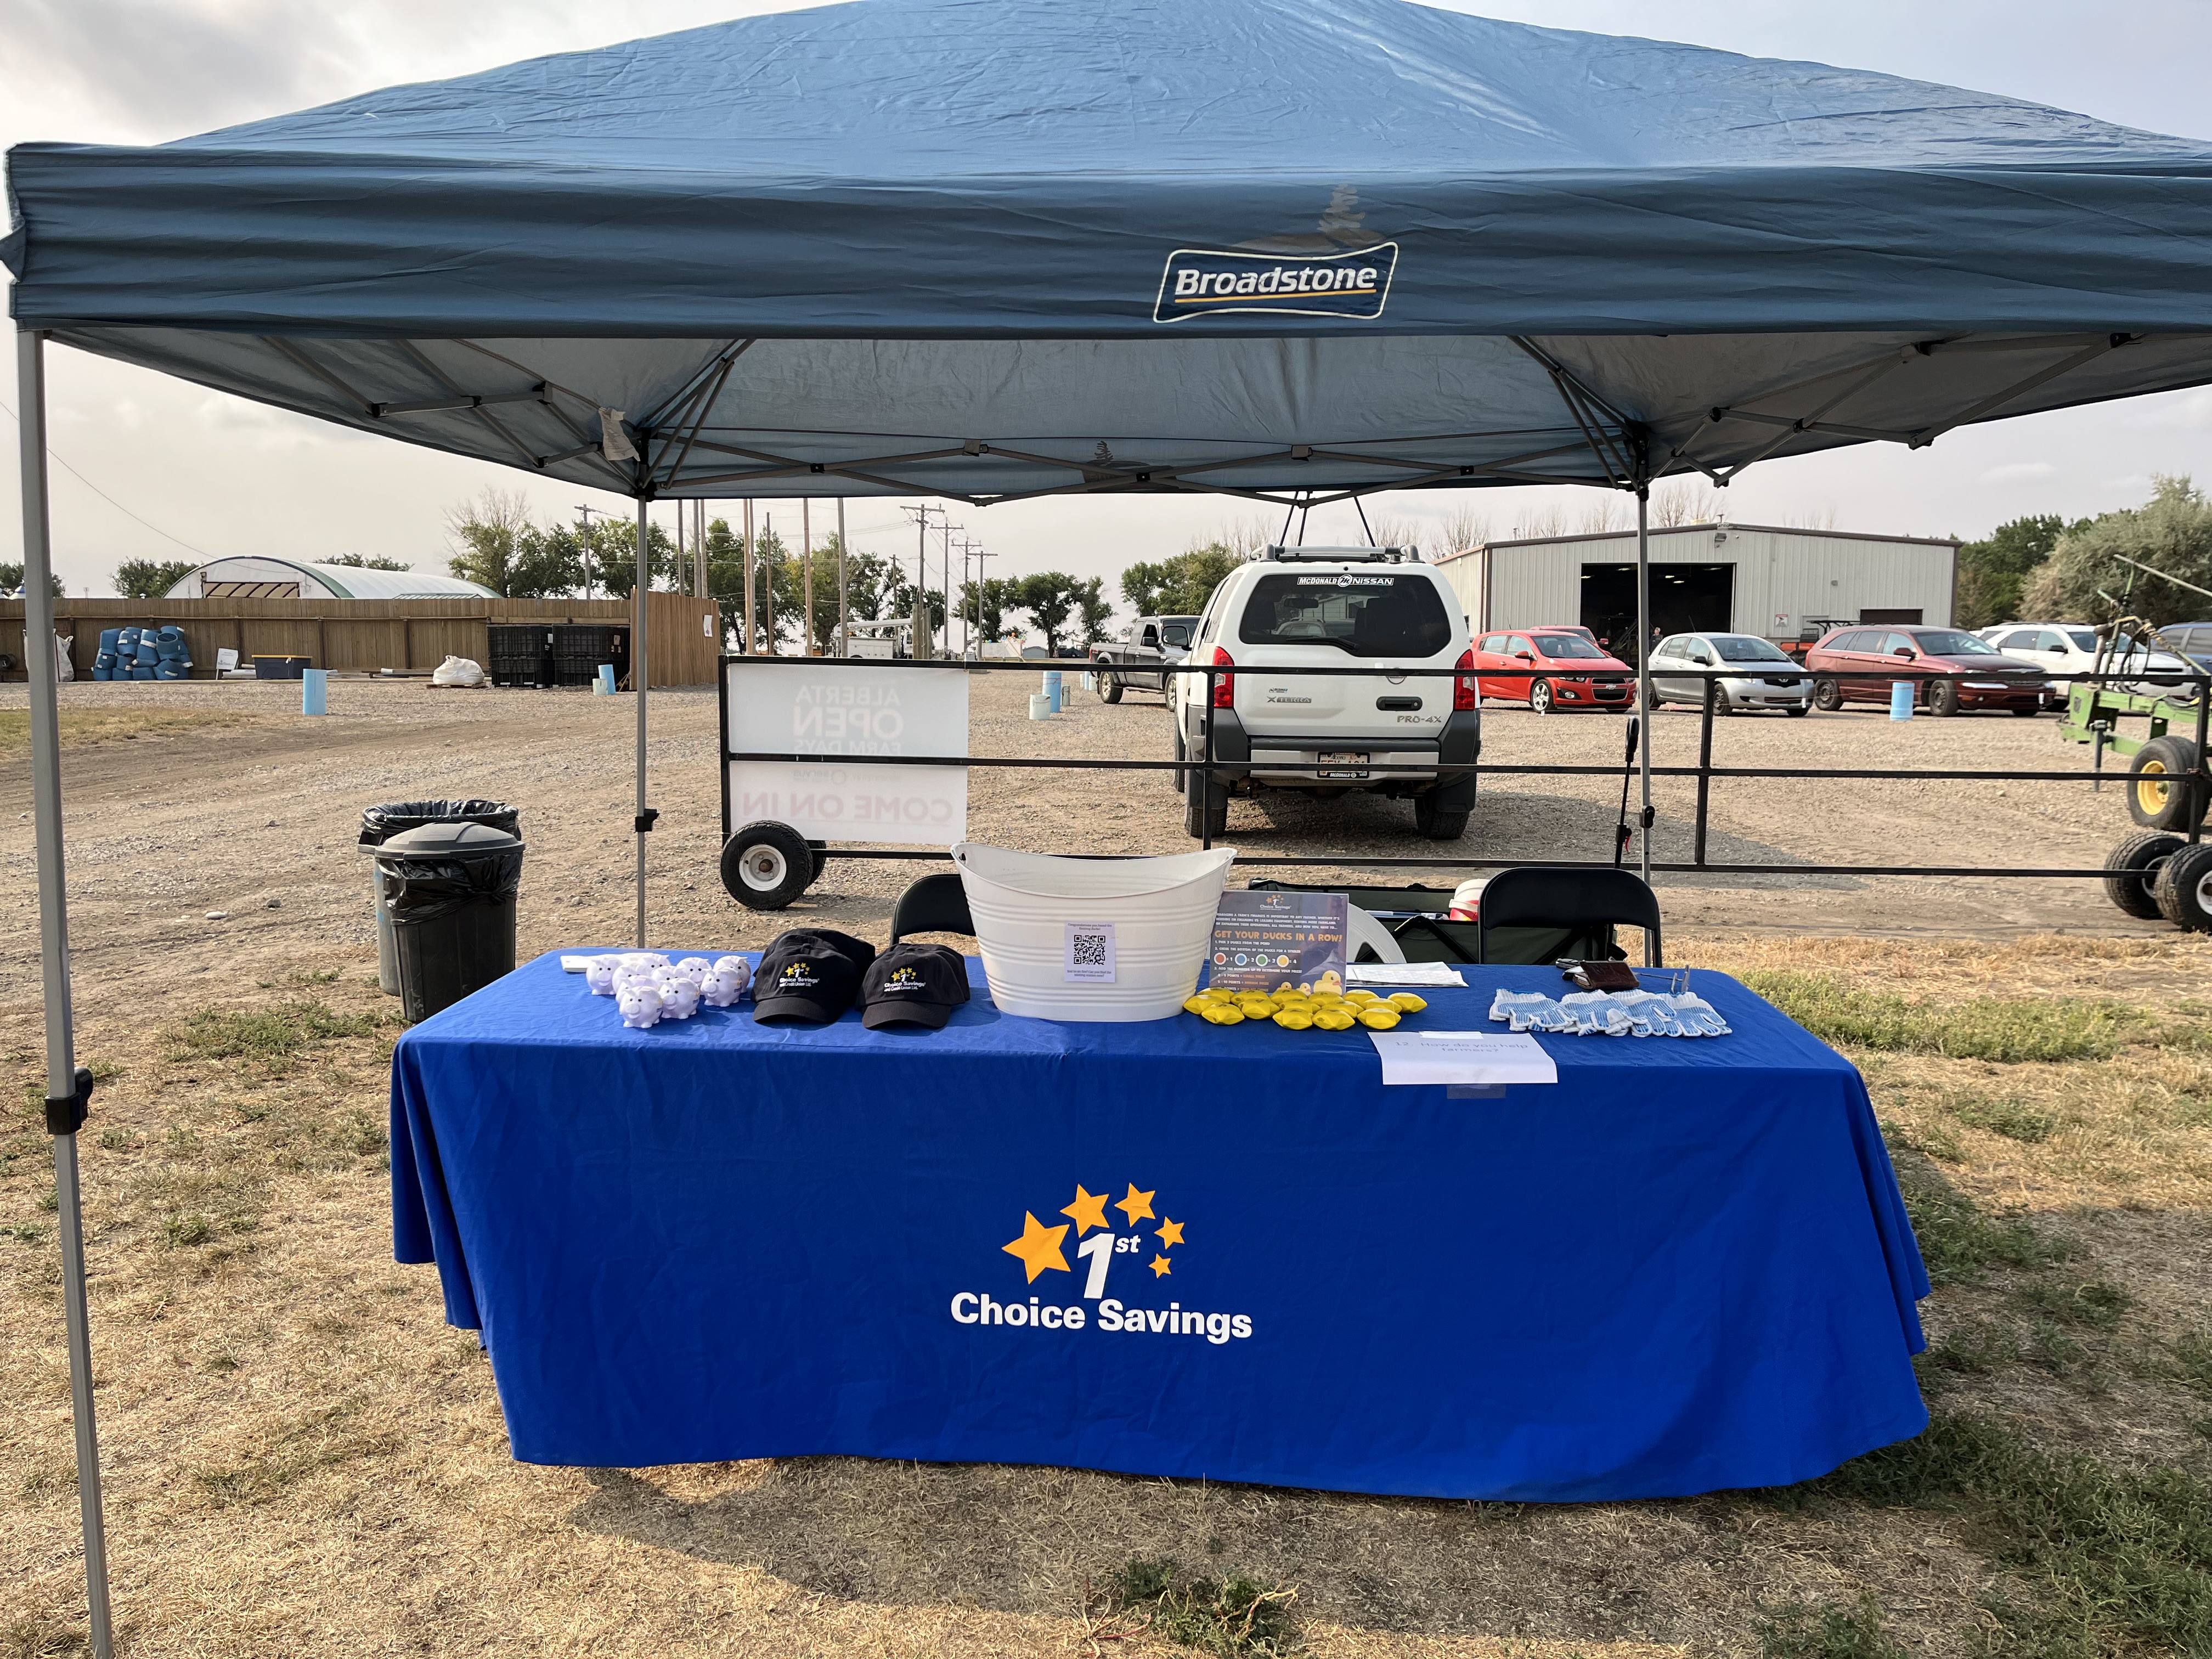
(913, 985)
(809, 974)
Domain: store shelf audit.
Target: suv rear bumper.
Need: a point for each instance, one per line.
(1292, 760)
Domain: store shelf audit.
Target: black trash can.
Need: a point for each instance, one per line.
(379, 823)
(450, 888)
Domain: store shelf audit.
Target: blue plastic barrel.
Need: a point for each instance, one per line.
(1900, 700)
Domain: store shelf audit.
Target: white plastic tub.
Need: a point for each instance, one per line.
(1161, 911)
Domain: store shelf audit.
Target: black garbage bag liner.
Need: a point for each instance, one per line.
(379, 823)
(424, 889)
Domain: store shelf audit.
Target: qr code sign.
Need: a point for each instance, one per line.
(1089, 959)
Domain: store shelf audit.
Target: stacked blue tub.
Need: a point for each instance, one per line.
(143, 653)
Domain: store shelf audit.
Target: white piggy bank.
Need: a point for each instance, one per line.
(696, 966)
(679, 999)
(639, 1003)
(738, 966)
(721, 988)
(599, 974)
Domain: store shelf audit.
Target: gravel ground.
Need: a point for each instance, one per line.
(254, 815)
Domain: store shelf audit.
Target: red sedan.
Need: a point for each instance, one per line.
(1569, 670)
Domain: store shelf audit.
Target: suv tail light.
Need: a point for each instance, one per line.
(1225, 689)
(1463, 693)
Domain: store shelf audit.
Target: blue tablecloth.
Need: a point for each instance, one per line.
(1684, 1266)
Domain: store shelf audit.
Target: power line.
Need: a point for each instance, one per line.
(110, 499)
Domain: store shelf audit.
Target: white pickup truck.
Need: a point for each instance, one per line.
(1378, 609)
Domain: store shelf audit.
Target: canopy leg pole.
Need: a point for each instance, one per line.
(641, 678)
(65, 1090)
(749, 646)
(1644, 671)
(844, 597)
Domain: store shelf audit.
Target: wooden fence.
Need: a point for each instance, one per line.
(367, 635)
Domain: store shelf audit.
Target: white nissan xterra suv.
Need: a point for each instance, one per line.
(1376, 609)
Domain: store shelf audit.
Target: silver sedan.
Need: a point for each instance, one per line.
(1767, 677)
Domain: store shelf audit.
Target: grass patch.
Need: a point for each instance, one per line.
(325, 1439)
(2009, 1118)
(1793, 1631)
(1959, 1240)
(1231, 1617)
(81, 727)
(268, 1039)
(2012, 1029)
(2110, 1561)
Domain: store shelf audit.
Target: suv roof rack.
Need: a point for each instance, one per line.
(1346, 555)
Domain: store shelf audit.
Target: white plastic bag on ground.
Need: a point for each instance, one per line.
(458, 671)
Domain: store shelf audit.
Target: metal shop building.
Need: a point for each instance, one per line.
(1741, 578)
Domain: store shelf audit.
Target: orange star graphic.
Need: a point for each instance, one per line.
(1088, 1210)
(1171, 1232)
(1160, 1268)
(1138, 1205)
(1038, 1248)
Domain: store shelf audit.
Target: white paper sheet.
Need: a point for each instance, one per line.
(1476, 1057)
(1402, 973)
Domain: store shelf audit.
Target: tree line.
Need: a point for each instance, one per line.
(2047, 568)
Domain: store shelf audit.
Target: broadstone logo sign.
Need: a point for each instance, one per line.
(1208, 282)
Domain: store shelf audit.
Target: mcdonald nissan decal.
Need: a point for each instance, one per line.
(1209, 281)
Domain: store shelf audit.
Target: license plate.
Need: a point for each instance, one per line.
(1338, 764)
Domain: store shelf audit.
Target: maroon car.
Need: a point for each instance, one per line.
(1854, 665)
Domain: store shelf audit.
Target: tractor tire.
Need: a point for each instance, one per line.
(1827, 695)
(2137, 863)
(2183, 889)
(766, 865)
(2161, 794)
(1942, 698)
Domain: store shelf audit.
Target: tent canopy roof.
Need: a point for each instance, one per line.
(987, 248)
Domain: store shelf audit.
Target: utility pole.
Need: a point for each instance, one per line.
(768, 599)
(806, 572)
(752, 637)
(844, 604)
(921, 567)
(699, 583)
(587, 512)
(980, 579)
(946, 566)
(967, 545)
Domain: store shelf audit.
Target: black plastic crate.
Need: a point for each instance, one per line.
(521, 653)
(579, 648)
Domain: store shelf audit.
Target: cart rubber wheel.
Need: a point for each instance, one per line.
(766, 865)
(1109, 688)
(2160, 794)
(1942, 698)
(2183, 889)
(1540, 696)
(1827, 695)
(2136, 863)
(1216, 807)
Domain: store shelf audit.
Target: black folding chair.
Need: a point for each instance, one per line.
(1584, 901)
(935, 904)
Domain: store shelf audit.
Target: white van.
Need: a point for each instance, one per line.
(1378, 609)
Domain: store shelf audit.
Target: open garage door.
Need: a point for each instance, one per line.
(1685, 599)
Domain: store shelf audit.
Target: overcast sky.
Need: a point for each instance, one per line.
(186, 470)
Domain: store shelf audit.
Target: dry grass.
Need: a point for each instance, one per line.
(304, 1459)
(83, 726)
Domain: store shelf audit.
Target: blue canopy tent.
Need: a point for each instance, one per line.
(1291, 251)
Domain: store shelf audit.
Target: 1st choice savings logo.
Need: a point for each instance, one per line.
(1102, 1244)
